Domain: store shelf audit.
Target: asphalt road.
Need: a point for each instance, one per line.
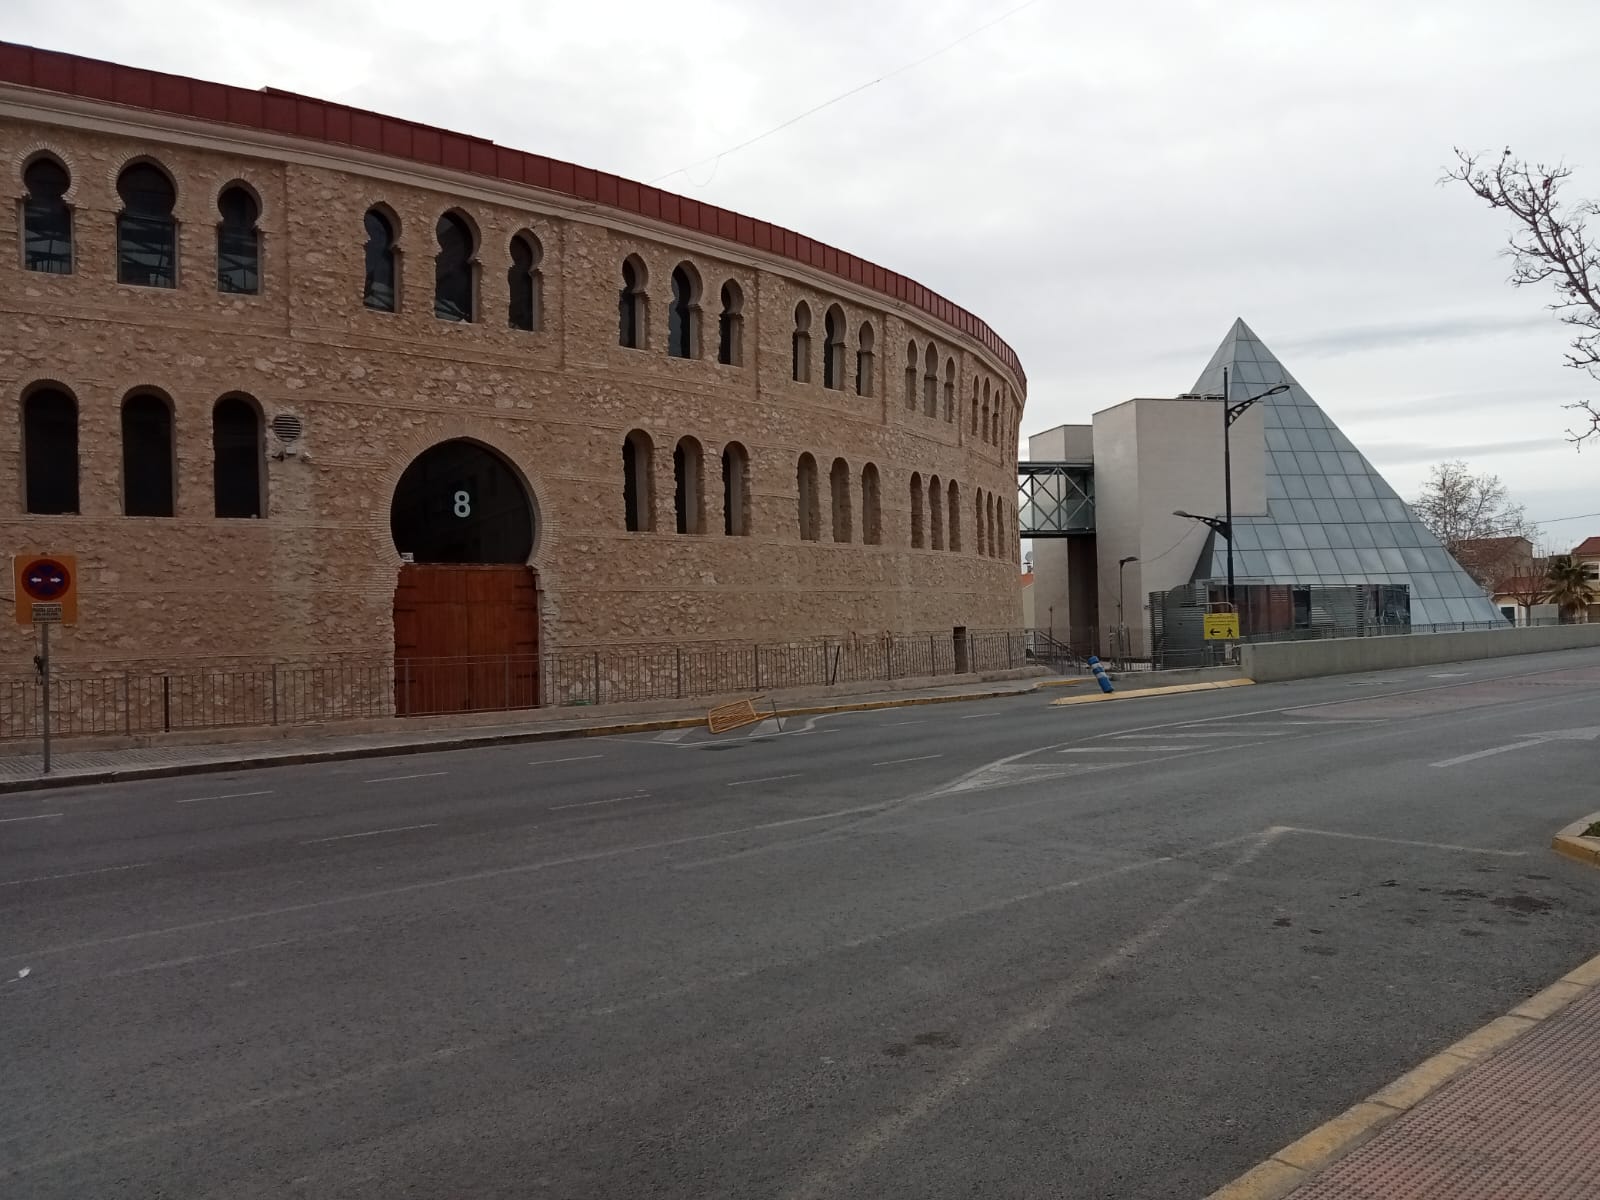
(994, 949)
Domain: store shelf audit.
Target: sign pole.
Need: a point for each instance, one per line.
(44, 670)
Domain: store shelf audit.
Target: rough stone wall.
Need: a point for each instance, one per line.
(317, 574)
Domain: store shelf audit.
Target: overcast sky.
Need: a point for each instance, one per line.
(1107, 185)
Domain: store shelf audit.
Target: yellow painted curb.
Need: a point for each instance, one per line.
(1174, 690)
(1300, 1160)
(1573, 844)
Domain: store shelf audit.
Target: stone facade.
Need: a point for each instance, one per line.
(316, 574)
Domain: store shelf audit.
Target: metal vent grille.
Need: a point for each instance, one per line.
(287, 427)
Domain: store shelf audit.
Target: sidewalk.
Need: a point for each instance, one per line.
(1518, 1119)
(282, 747)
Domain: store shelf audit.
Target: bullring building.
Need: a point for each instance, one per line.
(295, 380)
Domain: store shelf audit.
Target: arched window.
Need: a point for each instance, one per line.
(802, 343)
(833, 348)
(524, 284)
(916, 510)
(978, 529)
(633, 305)
(871, 507)
(954, 509)
(237, 455)
(454, 271)
(730, 326)
(638, 482)
(974, 406)
(50, 451)
(950, 390)
(380, 290)
(806, 488)
(147, 234)
(986, 418)
(46, 219)
(238, 242)
(930, 382)
(935, 514)
(683, 319)
(688, 486)
(911, 376)
(146, 456)
(839, 495)
(864, 360)
(735, 490)
(993, 527)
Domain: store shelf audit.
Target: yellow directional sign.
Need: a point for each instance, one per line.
(1222, 627)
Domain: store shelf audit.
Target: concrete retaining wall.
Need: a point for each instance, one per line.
(1269, 662)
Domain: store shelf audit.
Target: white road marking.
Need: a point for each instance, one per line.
(922, 722)
(980, 716)
(225, 796)
(35, 817)
(73, 874)
(1139, 749)
(896, 761)
(402, 778)
(840, 1163)
(545, 762)
(763, 779)
(370, 833)
(1466, 758)
(1369, 837)
(594, 803)
(1164, 736)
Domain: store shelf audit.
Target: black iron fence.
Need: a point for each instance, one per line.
(89, 699)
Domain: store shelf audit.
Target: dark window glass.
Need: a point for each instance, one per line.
(236, 458)
(522, 283)
(832, 350)
(378, 291)
(146, 457)
(238, 244)
(46, 220)
(730, 326)
(147, 235)
(452, 270)
(628, 302)
(461, 503)
(680, 318)
(636, 483)
(50, 442)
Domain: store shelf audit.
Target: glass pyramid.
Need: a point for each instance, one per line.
(1331, 518)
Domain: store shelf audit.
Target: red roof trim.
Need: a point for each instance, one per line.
(274, 111)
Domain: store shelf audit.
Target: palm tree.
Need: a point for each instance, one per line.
(1569, 590)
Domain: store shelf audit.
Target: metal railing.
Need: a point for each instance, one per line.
(133, 699)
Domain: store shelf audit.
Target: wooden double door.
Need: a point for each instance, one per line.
(466, 638)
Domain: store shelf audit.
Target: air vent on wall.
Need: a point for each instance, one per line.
(287, 427)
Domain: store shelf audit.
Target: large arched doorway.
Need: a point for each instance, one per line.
(466, 607)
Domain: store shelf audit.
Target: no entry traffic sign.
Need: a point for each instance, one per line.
(46, 588)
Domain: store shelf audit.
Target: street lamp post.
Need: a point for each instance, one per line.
(1231, 412)
(1122, 627)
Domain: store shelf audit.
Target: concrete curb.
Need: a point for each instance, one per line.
(252, 761)
(1297, 1162)
(1573, 844)
(1176, 689)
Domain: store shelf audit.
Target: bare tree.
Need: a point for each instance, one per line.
(1549, 243)
(1530, 587)
(1475, 520)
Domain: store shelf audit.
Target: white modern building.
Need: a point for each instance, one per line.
(1101, 502)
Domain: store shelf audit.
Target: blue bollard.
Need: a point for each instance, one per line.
(1100, 675)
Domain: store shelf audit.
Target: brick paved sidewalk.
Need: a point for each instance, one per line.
(69, 765)
(1524, 1124)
